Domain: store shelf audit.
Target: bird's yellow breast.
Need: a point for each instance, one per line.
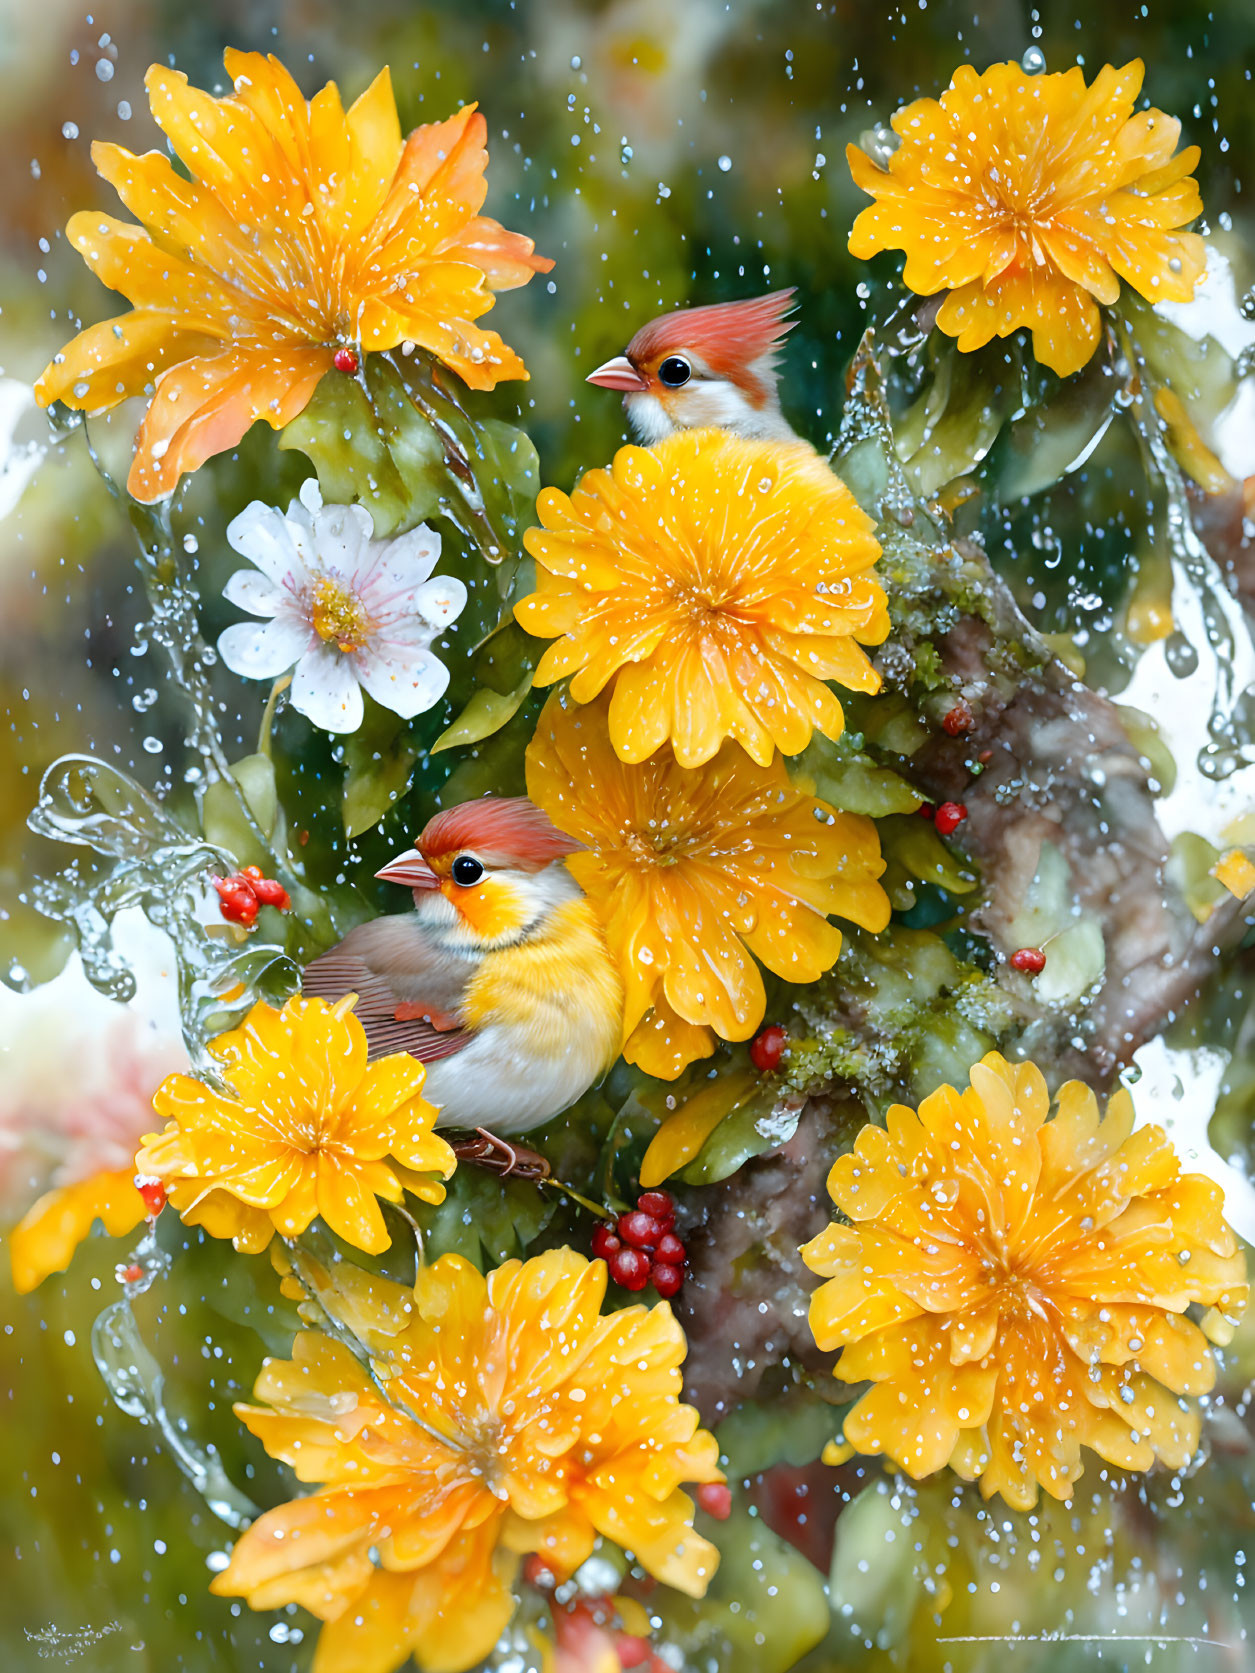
(553, 986)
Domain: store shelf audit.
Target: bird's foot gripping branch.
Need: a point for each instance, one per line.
(719, 824)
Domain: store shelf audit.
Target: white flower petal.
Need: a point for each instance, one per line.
(410, 558)
(325, 690)
(342, 535)
(253, 591)
(261, 534)
(440, 601)
(264, 650)
(310, 498)
(408, 685)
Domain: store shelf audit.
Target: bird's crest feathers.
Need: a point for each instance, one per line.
(501, 830)
(729, 336)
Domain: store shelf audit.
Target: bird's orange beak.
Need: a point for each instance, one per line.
(411, 870)
(619, 373)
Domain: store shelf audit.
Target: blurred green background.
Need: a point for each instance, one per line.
(664, 152)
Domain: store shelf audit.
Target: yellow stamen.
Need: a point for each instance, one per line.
(339, 616)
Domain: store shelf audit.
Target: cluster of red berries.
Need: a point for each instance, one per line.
(242, 894)
(642, 1248)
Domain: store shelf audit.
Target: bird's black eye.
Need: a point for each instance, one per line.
(467, 870)
(674, 371)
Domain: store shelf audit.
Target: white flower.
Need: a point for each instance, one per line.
(345, 610)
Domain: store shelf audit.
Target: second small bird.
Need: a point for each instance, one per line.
(499, 980)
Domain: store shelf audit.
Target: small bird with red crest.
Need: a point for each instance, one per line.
(499, 980)
(713, 366)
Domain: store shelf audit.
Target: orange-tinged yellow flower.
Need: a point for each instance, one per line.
(302, 227)
(696, 874)
(506, 1415)
(311, 1130)
(1015, 1288)
(51, 1230)
(718, 583)
(1028, 198)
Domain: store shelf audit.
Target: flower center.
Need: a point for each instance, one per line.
(338, 616)
(1018, 1292)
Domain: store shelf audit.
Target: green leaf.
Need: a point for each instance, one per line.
(486, 713)
(915, 847)
(225, 822)
(765, 1607)
(789, 1428)
(378, 760)
(512, 476)
(764, 1122)
(371, 446)
(874, 1581)
(854, 783)
(956, 420)
(485, 1218)
(1057, 434)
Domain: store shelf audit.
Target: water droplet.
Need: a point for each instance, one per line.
(69, 130)
(104, 69)
(1033, 62)
(153, 746)
(725, 163)
(190, 543)
(1180, 656)
(143, 701)
(124, 109)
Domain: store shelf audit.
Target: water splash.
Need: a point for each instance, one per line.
(161, 868)
(137, 1384)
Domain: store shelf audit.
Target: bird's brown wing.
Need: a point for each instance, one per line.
(340, 971)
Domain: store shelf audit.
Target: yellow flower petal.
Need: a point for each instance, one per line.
(45, 1238)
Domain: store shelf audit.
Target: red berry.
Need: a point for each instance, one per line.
(715, 1498)
(344, 360)
(642, 1231)
(604, 1242)
(630, 1268)
(236, 900)
(536, 1572)
(154, 1195)
(666, 1279)
(269, 892)
(669, 1250)
(958, 720)
(950, 815)
(661, 1204)
(133, 1273)
(767, 1047)
(926, 810)
(631, 1650)
(1030, 959)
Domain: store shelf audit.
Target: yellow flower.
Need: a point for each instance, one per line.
(718, 583)
(1028, 199)
(45, 1238)
(505, 1416)
(1016, 1288)
(697, 873)
(311, 1130)
(302, 227)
